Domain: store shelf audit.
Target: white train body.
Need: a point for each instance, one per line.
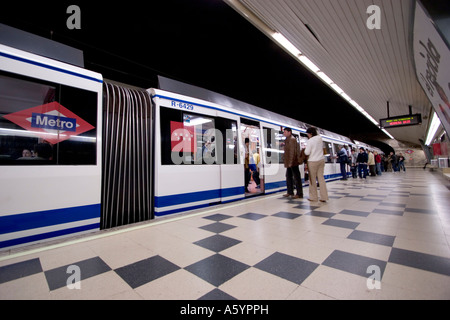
(195, 151)
(193, 183)
(45, 200)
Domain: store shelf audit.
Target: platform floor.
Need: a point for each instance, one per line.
(395, 227)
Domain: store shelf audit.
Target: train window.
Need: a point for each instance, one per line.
(203, 135)
(46, 123)
(274, 145)
(228, 152)
(328, 151)
(268, 147)
(187, 138)
(280, 139)
(303, 140)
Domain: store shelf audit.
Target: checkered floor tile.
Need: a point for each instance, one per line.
(394, 229)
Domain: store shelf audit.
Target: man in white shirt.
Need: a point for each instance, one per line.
(316, 166)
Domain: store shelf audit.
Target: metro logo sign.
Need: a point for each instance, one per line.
(47, 121)
(51, 122)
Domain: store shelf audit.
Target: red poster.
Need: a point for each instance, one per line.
(182, 138)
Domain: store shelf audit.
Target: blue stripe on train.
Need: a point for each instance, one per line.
(48, 235)
(188, 198)
(173, 200)
(33, 220)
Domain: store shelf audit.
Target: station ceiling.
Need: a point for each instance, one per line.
(372, 66)
(227, 46)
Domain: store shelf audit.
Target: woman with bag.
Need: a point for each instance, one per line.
(316, 166)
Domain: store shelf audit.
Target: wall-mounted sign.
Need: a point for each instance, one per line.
(432, 60)
(401, 121)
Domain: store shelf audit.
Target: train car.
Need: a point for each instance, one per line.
(79, 154)
(50, 148)
(202, 142)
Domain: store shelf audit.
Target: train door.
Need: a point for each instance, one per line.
(127, 167)
(250, 135)
(272, 158)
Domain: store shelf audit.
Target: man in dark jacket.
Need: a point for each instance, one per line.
(291, 163)
(361, 161)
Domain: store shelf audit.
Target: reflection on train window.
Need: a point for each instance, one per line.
(231, 144)
(202, 131)
(274, 145)
(280, 139)
(226, 150)
(187, 138)
(46, 123)
(336, 150)
(303, 140)
(328, 151)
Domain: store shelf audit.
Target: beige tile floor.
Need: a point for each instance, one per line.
(322, 253)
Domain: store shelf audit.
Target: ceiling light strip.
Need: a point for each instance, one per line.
(435, 123)
(293, 50)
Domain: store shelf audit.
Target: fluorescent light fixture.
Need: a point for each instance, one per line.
(324, 77)
(309, 64)
(357, 106)
(336, 88)
(388, 134)
(285, 43)
(435, 123)
(375, 122)
(345, 96)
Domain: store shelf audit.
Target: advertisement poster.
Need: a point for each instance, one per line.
(432, 60)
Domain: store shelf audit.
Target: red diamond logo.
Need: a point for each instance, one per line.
(51, 122)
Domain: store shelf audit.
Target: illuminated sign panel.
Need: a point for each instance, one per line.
(401, 121)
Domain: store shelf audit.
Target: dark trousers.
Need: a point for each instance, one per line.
(362, 170)
(343, 170)
(293, 177)
(255, 175)
(353, 170)
(247, 178)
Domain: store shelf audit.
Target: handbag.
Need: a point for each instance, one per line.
(302, 158)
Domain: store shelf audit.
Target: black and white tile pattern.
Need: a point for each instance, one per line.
(264, 248)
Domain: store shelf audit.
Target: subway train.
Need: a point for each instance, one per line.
(80, 154)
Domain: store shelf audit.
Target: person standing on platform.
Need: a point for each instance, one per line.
(401, 163)
(354, 156)
(247, 164)
(291, 163)
(377, 163)
(316, 166)
(393, 161)
(343, 161)
(371, 163)
(362, 163)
